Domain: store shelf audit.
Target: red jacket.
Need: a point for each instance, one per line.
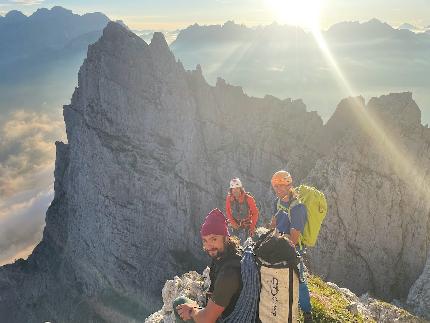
(252, 209)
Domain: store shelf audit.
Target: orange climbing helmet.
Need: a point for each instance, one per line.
(281, 177)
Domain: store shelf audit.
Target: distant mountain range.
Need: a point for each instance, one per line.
(41, 54)
(372, 57)
(46, 30)
(414, 28)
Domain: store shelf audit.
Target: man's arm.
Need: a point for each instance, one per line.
(294, 236)
(272, 223)
(209, 314)
(298, 220)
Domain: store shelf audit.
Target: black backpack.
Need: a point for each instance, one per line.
(267, 268)
(279, 278)
(273, 249)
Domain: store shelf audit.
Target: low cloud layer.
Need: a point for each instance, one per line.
(27, 151)
(27, 157)
(27, 2)
(21, 225)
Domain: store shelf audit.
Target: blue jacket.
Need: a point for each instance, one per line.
(297, 220)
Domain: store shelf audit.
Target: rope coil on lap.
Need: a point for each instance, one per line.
(246, 307)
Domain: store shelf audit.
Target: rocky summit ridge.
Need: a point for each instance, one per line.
(150, 149)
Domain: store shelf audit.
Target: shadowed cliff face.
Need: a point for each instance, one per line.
(151, 148)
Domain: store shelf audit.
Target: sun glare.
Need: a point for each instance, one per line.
(303, 13)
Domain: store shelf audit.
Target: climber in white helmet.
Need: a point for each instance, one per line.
(241, 210)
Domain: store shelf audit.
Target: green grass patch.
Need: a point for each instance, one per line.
(330, 305)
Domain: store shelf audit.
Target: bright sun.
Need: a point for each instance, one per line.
(304, 13)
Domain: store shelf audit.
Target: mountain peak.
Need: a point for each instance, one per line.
(116, 32)
(56, 11)
(116, 40)
(159, 40)
(59, 9)
(375, 21)
(407, 26)
(15, 16)
(397, 107)
(378, 23)
(41, 12)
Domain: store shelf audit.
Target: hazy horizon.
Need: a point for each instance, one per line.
(169, 15)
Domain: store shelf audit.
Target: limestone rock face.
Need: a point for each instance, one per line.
(191, 285)
(419, 295)
(151, 149)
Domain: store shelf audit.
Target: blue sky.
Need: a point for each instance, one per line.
(173, 14)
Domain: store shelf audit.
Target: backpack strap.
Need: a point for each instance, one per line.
(293, 204)
(280, 207)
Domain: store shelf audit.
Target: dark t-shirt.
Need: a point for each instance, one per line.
(226, 282)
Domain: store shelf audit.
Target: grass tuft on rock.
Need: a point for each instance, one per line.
(329, 305)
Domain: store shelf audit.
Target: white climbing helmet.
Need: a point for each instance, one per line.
(235, 182)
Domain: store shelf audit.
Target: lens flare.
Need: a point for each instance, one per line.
(303, 13)
(409, 171)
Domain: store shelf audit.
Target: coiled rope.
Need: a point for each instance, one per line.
(246, 307)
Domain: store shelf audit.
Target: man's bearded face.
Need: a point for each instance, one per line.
(214, 245)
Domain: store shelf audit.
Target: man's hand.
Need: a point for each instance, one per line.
(287, 237)
(294, 236)
(186, 311)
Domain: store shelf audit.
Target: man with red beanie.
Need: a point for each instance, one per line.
(226, 279)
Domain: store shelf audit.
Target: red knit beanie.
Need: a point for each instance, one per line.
(215, 223)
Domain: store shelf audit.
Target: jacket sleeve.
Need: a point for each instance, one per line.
(299, 217)
(254, 212)
(228, 211)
